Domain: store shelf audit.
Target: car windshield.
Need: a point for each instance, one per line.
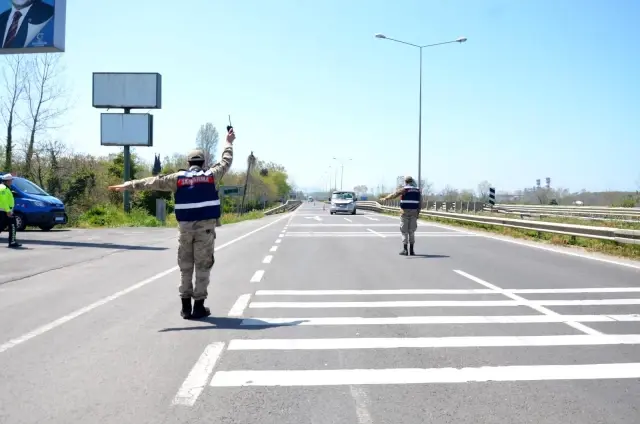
(28, 187)
(342, 196)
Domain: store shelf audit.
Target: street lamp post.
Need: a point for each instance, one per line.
(457, 40)
(341, 171)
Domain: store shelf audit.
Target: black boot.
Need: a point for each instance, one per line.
(404, 250)
(411, 252)
(199, 310)
(186, 308)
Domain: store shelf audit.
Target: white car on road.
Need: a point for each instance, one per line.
(343, 201)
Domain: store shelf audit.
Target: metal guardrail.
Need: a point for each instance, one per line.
(288, 206)
(600, 213)
(601, 233)
(571, 207)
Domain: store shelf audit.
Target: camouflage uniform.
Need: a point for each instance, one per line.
(196, 239)
(408, 218)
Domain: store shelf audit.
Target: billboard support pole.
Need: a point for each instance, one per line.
(127, 173)
(112, 90)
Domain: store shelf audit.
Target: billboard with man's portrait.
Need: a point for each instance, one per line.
(32, 26)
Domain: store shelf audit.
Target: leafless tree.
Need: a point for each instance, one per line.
(44, 92)
(466, 195)
(207, 140)
(427, 188)
(14, 77)
(483, 190)
(450, 194)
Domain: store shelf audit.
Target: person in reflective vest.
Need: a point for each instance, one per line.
(7, 218)
(197, 209)
(410, 203)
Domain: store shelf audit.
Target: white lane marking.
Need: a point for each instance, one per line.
(345, 225)
(273, 248)
(428, 342)
(363, 234)
(279, 241)
(199, 376)
(241, 304)
(371, 219)
(443, 291)
(362, 401)
(534, 304)
(534, 245)
(424, 375)
(267, 259)
(376, 233)
(580, 290)
(537, 305)
(387, 304)
(348, 220)
(60, 321)
(281, 235)
(257, 276)
(439, 319)
(369, 292)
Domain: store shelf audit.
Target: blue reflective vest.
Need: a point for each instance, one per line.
(196, 196)
(410, 199)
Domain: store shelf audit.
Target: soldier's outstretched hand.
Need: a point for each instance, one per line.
(119, 187)
(231, 136)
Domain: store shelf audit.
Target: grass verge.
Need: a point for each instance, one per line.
(631, 251)
(111, 216)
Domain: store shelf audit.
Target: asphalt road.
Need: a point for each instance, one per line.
(317, 319)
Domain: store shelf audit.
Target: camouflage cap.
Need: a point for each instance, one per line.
(195, 155)
(408, 179)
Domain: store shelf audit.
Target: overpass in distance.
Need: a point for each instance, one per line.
(317, 319)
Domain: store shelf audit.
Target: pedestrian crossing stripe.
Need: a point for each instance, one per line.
(433, 342)
(424, 375)
(435, 319)
(443, 303)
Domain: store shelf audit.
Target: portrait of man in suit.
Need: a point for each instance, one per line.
(23, 21)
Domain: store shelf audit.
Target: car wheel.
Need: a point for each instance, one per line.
(21, 224)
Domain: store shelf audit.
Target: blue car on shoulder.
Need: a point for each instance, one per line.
(35, 207)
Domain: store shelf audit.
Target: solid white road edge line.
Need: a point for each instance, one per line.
(241, 304)
(433, 342)
(439, 319)
(199, 376)
(60, 321)
(535, 305)
(423, 376)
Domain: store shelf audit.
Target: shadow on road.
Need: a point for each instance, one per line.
(71, 244)
(428, 256)
(224, 323)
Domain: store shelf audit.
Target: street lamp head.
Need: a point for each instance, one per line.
(461, 39)
(380, 35)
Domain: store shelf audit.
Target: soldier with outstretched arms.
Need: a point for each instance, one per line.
(197, 208)
(410, 203)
